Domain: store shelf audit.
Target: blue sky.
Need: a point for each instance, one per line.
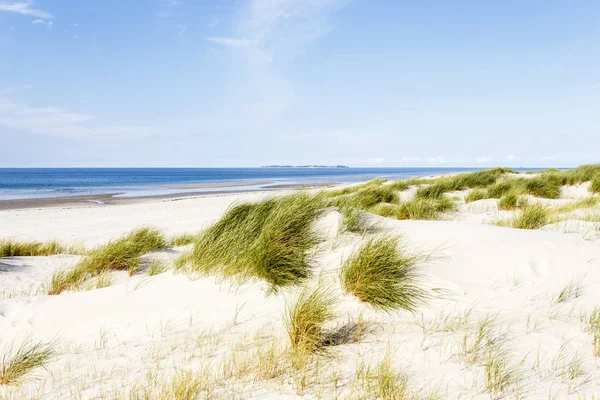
(182, 83)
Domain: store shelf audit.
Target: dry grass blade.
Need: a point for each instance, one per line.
(383, 275)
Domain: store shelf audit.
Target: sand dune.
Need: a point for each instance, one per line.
(142, 332)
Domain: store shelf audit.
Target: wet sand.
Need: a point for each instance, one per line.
(108, 199)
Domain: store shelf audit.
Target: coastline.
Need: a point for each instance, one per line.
(109, 199)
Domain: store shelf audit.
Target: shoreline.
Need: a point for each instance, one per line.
(109, 199)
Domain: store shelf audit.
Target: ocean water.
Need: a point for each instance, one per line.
(23, 183)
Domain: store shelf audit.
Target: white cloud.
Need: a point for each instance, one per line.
(510, 158)
(483, 159)
(376, 160)
(24, 8)
(231, 42)
(38, 21)
(436, 160)
(58, 121)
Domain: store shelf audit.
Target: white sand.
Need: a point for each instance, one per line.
(144, 329)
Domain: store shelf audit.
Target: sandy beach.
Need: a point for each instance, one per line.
(528, 291)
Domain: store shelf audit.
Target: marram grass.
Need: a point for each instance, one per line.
(531, 216)
(305, 319)
(119, 255)
(383, 275)
(270, 240)
(14, 248)
(16, 363)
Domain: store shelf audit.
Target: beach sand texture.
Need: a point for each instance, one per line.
(528, 293)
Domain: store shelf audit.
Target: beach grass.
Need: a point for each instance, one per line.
(424, 208)
(531, 216)
(472, 180)
(498, 373)
(355, 221)
(475, 195)
(543, 186)
(268, 240)
(509, 201)
(119, 255)
(14, 248)
(305, 319)
(182, 240)
(595, 184)
(593, 327)
(383, 275)
(16, 363)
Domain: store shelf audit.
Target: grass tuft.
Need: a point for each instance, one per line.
(120, 255)
(508, 202)
(356, 221)
(476, 194)
(571, 291)
(498, 374)
(269, 240)
(182, 240)
(595, 184)
(383, 275)
(543, 186)
(14, 365)
(423, 208)
(12, 248)
(305, 319)
(532, 216)
(594, 328)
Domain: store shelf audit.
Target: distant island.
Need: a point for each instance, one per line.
(305, 166)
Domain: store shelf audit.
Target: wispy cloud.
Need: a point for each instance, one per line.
(265, 36)
(62, 122)
(24, 8)
(167, 7)
(232, 42)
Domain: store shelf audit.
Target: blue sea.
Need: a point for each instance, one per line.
(24, 183)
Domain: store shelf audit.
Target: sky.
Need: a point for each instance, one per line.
(243, 83)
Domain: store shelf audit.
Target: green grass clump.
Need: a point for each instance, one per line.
(119, 255)
(14, 365)
(505, 187)
(369, 197)
(508, 202)
(584, 173)
(532, 217)
(473, 180)
(428, 209)
(476, 194)
(595, 184)
(305, 319)
(268, 240)
(12, 248)
(543, 186)
(383, 275)
(182, 240)
(355, 220)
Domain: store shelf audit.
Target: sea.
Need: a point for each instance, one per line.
(28, 183)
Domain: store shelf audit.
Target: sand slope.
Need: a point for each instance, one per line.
(144, 330)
